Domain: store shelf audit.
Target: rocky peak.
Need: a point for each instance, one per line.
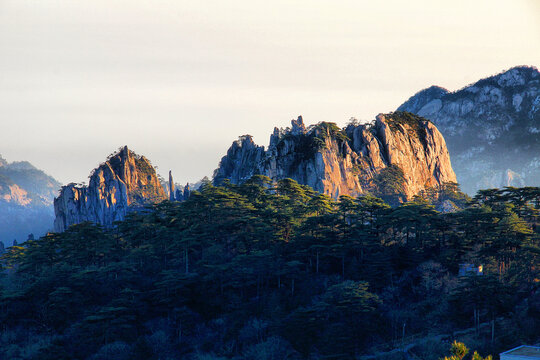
(491, 128)
(245, 141)
(187, 191)
(21, 165)
(421, 98)
(352, 161)
(126, 180)
(297, 126)
(517, 76)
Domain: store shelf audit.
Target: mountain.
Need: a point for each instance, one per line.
(492, 128)
(126, 180)
(26, 198)
(396, 156)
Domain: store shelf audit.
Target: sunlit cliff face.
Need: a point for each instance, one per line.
(125, 179)
(348, 161)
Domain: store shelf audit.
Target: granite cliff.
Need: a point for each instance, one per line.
(126, 180)
(26, 198)
(396, 156)
(492, 128)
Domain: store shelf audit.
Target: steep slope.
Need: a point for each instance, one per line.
(492, 128)
(125, 180)
(26, 198)
(397, 156)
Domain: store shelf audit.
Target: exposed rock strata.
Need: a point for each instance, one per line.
(125, 180)
(347, 161)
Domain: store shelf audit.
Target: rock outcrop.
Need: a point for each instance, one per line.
(181, 193)
(171, 187)
(492, 128)
(125, 181)
(398, 153)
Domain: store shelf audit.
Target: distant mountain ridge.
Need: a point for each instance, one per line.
(398, 155)
(491, 127)
(26, 198)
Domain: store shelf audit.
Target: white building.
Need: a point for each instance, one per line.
(522, 352)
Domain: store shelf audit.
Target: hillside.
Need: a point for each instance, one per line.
(278, 271)
(26, 198)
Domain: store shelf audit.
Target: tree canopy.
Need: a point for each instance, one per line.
(276, 270)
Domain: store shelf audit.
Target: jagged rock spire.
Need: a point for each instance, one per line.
(125, 180)
(171, 187)
(298, 126)
(187, 191)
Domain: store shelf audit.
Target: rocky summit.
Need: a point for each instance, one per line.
(397, 155)
(492, 128)
(126, 180)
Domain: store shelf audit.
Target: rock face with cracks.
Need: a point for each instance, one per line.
(125, 181)
(399, 150)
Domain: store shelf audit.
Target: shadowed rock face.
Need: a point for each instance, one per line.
(125, 180)
(492, 128)
(349, 161)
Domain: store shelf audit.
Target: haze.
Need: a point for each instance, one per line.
(178, 81)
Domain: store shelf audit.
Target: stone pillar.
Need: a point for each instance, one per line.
(298, 126)
(179, 194)
(187, 192)
(171, 187)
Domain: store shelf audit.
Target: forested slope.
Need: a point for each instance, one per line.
(269, 270)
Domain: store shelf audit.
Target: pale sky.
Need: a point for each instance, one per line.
(178, 81)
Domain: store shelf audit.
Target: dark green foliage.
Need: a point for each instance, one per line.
(390, 185)
(338, 323)
(325, 129)
(308, 144)
(269, 270)
(446, 192)
(401, 120)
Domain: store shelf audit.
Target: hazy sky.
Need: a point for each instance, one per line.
(178, 81)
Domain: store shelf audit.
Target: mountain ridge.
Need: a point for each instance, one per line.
(491, 128)
(26, 198)
(348, 161)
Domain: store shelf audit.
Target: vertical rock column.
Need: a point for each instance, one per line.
(171, 187)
